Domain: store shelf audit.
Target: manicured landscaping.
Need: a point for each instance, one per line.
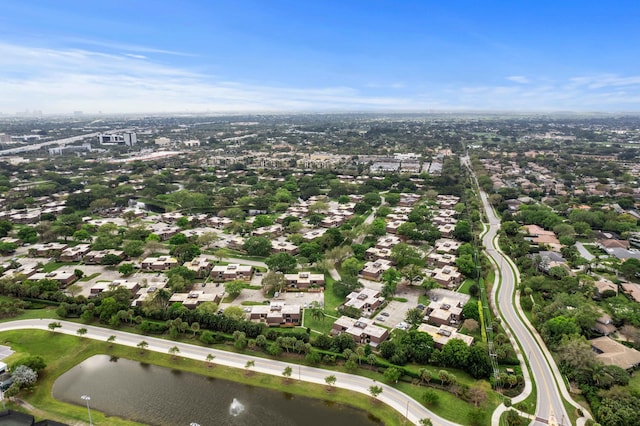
(54, 349)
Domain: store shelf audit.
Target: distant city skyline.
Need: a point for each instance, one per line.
(289, 56)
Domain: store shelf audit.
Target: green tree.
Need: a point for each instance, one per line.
(455, 353)
(403, 254)
(174, 351)
(126, 269)
(250, 364)
(393, 374)
(462, 231)
(630, 268)
(27, 235)
(209, 359)
(375, 391)
(142, 346)
(81, 331)
(286, 373)
(53, 325)
(257, 246)
(282, 262)
(414, 316)
(234, 287)
(351, 267)
(330, 381)
(133, 248)
(110, 340)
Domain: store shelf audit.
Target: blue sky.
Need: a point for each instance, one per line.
(319, 55)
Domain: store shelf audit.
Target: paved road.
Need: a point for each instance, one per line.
(37, 146)
(543, 367)
(397, 400)
(584, 252)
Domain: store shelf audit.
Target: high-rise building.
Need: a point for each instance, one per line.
(130, 138)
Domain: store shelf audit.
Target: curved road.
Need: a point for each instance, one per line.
(544, 370)
(397, 400)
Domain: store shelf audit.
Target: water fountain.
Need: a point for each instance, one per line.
(236, 408)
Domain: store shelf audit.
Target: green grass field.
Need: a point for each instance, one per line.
(331, 301)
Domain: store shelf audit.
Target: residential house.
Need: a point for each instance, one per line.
(392, 227)
(447, 276)
(374, 253)
(446, 230)
(63, 277)
(604, 324)
(633, 290)
(47, 249)
(441, 260)
(147, 293)
(96, 257)
(387, 242)
(194, 298)
(304, 280)
(408, 200)
(443, 333)
(366, 301)
(74, 254)
(284, 247)
(232, 271)
(541, 236)
(611, 352)
(200, 265)
(314, 234)
(446, 245)
(374, 270)
(268, 231)
(163, 230)
(446, 308)
(161, 263)
(101, 286)
(605, 285)
(363, 330)
(277, 314)
(219, 222)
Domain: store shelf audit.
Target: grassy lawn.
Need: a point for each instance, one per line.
(54, 349)
(52, 266)
(331, 301)
(321, 326)
(90, 277)
(464, 288)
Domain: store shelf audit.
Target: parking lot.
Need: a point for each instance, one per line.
(397, 311)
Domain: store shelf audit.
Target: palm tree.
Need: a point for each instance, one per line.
(287, 372)
(110, 340)
(330, 381)
(372, 360)
(248, 365)
(210, 359)
(81, 331)
(142, 345)
(173, 351)
(375, 391)
(195, 327)
(317, 314)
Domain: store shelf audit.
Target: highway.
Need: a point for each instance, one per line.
(402, 403)
(37, 146)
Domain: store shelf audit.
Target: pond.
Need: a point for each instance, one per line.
(160, 396)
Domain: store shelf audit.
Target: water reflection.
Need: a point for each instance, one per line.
(161, 396)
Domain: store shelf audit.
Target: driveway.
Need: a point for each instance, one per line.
(584, 252)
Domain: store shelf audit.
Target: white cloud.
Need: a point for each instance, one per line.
(65, 80)
(519, 79)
